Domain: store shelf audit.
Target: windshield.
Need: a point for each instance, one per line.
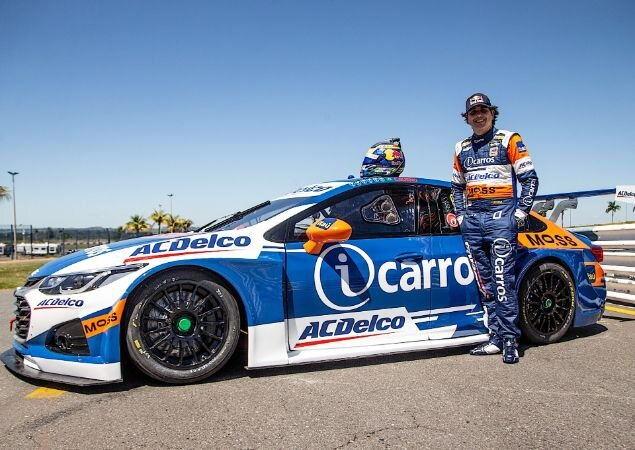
(253, 215)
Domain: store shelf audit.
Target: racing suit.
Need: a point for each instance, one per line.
(484, 190)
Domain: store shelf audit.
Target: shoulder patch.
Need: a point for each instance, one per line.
(461, 145)
(520, 145)
(507, 136)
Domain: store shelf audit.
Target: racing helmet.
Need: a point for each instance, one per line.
(384, 159)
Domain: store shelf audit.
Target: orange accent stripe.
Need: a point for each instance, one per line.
(599, 274)
(512, 149)
(99, 324)
(326, 341)
(553, 237)
(167, 255)
(477, 191)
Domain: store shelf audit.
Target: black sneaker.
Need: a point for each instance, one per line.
(510, 351)
(486, 348)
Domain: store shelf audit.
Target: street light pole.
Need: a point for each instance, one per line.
(170, 195)
(15, 231)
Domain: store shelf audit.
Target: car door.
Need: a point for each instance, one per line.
(455, 306)
(366, 290)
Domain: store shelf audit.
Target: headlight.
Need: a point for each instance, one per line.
(74, 283)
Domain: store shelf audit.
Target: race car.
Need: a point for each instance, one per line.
(336, 270)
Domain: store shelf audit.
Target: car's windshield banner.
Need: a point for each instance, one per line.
(313, 190)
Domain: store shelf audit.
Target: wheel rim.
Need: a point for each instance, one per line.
(548, 302)
(183, 325)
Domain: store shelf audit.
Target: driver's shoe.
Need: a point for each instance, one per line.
(487, 348)
(510, 351)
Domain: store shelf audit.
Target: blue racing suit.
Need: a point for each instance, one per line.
(486, 169)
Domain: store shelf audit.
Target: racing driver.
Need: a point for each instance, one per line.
(487, 166)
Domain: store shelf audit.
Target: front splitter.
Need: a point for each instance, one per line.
(15, 363)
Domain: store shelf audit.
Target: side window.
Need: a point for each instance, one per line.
(436, 212)
(381, 212)
(535, 226)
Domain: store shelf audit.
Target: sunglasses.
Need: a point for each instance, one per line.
(475, 111)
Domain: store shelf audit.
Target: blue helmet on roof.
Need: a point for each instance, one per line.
(384, 159)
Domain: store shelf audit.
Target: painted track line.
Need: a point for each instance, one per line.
(44, 392)
(630, 312)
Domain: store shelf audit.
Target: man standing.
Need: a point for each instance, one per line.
(487, 166)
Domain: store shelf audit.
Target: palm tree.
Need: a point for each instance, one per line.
(172, 222)
(4, 193)
(136, 223)
(612, 208)
(184, 224)
(158, 216)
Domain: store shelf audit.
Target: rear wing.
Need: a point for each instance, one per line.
(569, 200)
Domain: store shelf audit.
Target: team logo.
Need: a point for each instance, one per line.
(344, 274)
(476, 99)
(51, 303)
(325, 223)
(471, 161)
(342, 262)
(94, 251)
(502, 248)
(590, 273)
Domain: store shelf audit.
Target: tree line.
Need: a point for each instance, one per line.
(137, 222)
(174, 223)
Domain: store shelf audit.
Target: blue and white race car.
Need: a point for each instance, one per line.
(331, 271)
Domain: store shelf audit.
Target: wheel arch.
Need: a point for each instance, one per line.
(541, 259)
(565, 262)
(555, 258)
(150, 277)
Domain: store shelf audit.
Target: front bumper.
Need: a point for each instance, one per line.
(14, 361)
(71, 339)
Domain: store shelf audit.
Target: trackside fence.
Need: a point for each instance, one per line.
(49, 241)
(618, 242)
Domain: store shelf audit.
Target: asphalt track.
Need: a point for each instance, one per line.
(578, 393)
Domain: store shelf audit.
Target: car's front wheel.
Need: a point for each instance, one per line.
(547, 303)
(182, 327)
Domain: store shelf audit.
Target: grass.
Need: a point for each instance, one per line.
(14, 273)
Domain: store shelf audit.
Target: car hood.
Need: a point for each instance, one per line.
(78, 258)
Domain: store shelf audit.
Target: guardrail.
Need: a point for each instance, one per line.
(618, 242)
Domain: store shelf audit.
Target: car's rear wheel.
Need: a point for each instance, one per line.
(182, 327)
(547, 303)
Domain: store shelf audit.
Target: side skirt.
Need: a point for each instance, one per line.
(268, 347)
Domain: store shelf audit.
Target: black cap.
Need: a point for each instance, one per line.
(477, 99)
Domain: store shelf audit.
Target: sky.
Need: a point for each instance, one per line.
(108, 107)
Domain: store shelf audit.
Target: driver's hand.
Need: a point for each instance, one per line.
(520, 217)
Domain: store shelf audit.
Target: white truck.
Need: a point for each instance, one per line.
(39, 248)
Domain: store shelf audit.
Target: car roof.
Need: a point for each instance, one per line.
(336, 187)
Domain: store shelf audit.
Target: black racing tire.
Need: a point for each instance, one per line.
(547, 303)
(181, 327)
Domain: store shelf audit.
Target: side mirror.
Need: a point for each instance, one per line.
(325, 231)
